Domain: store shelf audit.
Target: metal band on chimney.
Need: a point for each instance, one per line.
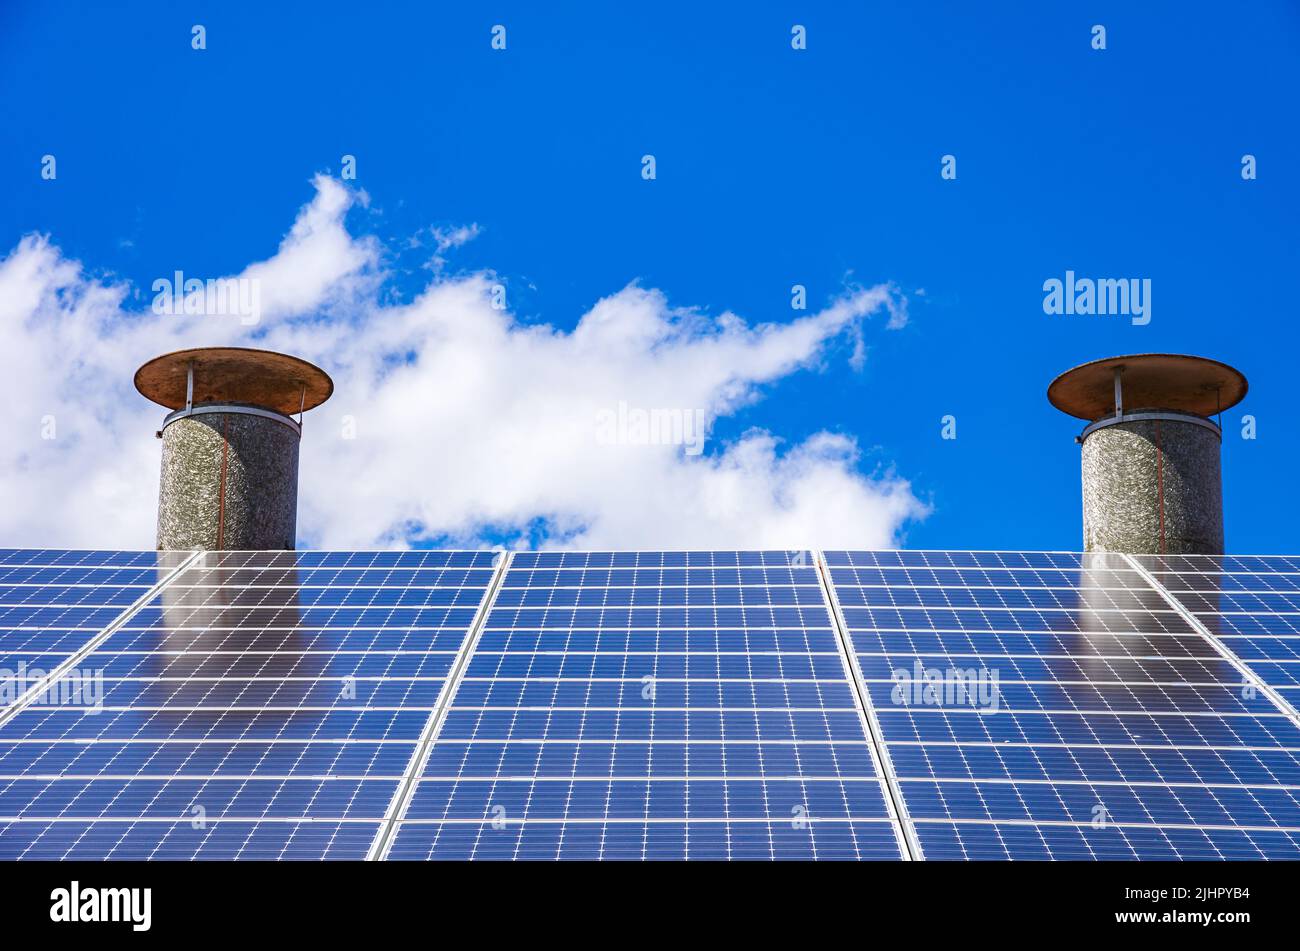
(232, 408)
(1138, 417)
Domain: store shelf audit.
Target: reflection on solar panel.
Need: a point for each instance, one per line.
(411, 705)
(1252, 605)
(260, 705)
(1071, 711)
(53, 602)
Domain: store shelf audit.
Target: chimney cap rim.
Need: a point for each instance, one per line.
(275, 381)
(1174, 381)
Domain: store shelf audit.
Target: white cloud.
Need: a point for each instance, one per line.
(318, 262)
(446, 239)
(468, 424)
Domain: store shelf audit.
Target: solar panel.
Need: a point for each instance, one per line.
(663, 705)
(53, 602)
(1249, 604)
(653, 705)
(1043, 705)
(261, 705)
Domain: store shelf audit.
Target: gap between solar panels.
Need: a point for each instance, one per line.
(909, 843)
(53, 677)
(1249, 679)
(410, 779)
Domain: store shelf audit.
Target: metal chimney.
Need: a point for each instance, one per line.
(1151, 479)
(230, 446)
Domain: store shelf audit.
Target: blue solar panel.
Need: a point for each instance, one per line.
(653, 705)
(1058, 706)
(80, 558)
(270, 702)
(612, 841)
(140, 841)
(52, 603)
(1250, 605)
(996, 841)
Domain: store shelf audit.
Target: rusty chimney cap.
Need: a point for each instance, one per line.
(1169, 381)
(274, 381)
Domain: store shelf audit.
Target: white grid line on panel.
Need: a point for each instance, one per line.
(406, 789)
(911, 845)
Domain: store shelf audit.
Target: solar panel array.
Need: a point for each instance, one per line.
(663, 705)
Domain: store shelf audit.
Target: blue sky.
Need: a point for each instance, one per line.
(775, 167)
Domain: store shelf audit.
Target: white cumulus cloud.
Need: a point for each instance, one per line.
(451, 422)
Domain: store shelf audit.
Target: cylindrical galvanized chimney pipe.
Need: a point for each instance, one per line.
(230, 446)
(1151, 477)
